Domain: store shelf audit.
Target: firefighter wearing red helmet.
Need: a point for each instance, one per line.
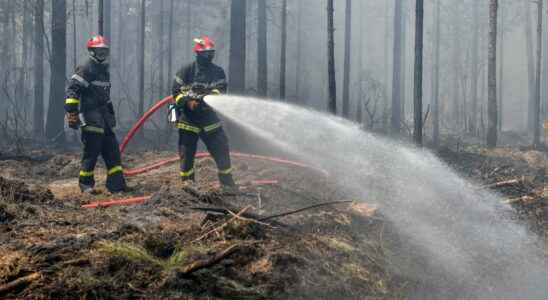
(196, 119)
(88, 108)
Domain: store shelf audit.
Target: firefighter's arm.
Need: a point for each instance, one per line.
(74, 90)
(220, 85)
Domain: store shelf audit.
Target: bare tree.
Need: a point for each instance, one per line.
(396, 70)
(536, 108)
(417, 100)
(236, 68)
(101, 17)
(283, 56)
(170, 45)
(55, 121)
(436, 79)
(530, 64)
(475, 67)
(38, 120)
(347, 45)
(501, 69)
(492, 76)
(332, 104)
(262, 50)
(141, 59)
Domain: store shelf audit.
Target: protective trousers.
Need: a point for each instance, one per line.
(105, 144)
(216, 143)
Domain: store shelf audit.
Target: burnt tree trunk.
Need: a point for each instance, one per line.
(417, 99)
(141, 59)
(530, 65)
(436, 79)
(347, 45)
(262, 50)
(332, 103)
(237, 56)
(283, 56)
(38, 120)
(501, 70)
(536, 107)
(492, 114)
(396, 70)
(475, 69)
(55, 121)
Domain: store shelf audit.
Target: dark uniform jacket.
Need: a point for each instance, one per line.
(88, 93)
(210, 76)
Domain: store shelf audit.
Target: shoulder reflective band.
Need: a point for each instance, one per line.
(225, 172)
(72, 101)
(80, 80)
(101, 83)
(186, 127)
(215, 92)
(93, 129)
(212, 127)
(116, 169)
(187, 173)
(178, 98)
(86, 173)
(178, 80)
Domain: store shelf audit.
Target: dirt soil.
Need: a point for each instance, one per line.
(184, 244)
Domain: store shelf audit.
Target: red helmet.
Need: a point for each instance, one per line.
(203, 44)
(97, 41)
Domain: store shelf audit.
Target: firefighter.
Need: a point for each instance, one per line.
(88, 108)
(196, 119)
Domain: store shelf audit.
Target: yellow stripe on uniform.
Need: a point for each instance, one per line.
(178, 98)
(86, 173)
(187, 127)
(72, 101)
(187, 173)
(212, 127)
(225, 172)
(215, 92)
(93, 129)
(115, 170)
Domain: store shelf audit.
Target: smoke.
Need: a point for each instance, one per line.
(464, 237)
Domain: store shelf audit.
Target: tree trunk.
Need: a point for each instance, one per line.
(347, 45)
(100, 18)
(475, 68)
(300, 45)
(417, 100)
(332, 104)
(361, 49)
(55, 121)
(492, 76)
(188, 32)
(501, 70)
(536, 115)
(403, 62)
(38, 120)
(107, 21)
(236, 68)
(141, 59)
(396, 70)
(530, 65)
(387, 96)
(170, 46)
(262, 50)
(544, 85)
(283, 56)
(161, 91)
(436, 80)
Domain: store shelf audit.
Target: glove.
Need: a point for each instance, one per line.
(73, 120)
(192, 104)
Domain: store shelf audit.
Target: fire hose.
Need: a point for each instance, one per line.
(147, 168)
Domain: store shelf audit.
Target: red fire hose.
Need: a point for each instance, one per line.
(157, 165)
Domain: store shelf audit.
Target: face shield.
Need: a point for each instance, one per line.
(205, 57)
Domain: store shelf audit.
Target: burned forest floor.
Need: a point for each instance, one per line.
(200, 242)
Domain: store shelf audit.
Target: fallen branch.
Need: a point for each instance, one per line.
(248, 219)
(216, 229)
(19, 282)
(503, 183)
(304, 208)
(206, 263)
(524, 199)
